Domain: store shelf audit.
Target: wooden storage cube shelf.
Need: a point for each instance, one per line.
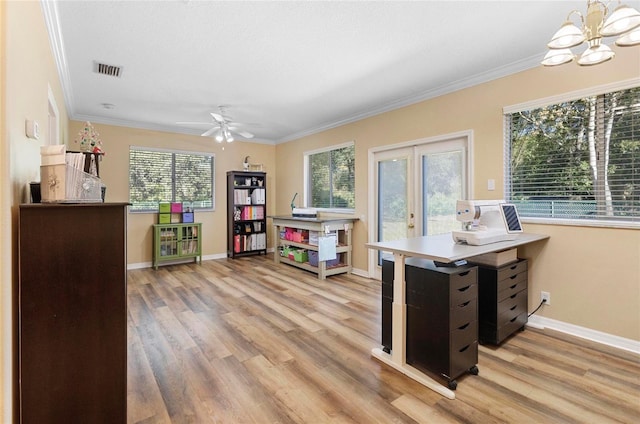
(246, 213)
(173, 242)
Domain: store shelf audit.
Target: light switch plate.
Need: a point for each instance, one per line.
(32, 129)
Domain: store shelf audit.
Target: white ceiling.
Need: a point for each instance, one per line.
(287, 69)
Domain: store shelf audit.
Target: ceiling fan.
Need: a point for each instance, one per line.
(223, 128)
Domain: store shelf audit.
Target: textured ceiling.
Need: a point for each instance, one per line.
(286, 69)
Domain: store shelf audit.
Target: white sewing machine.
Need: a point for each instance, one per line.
(486, 221)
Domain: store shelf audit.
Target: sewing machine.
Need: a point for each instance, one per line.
(486, 221)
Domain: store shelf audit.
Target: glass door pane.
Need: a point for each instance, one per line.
(394, 191)
(442, 185)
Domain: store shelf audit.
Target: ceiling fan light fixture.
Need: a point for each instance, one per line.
(219, 137)
(623, 19)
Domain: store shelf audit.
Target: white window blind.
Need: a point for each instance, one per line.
(169, 176)
(576, 160)
(331, 178)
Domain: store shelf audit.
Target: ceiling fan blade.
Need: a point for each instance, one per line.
(209, 131)
(217, 117)
(245, 134)
(193, 123)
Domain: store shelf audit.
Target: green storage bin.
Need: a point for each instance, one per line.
(164, 207)
(164, 218)
(300, 255)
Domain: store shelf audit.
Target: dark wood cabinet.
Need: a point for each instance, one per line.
(246, 213)
(502, 301)
(72, 306)
(442, 317)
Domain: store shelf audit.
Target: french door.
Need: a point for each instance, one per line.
(416, 188)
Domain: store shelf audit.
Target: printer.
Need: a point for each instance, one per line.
(486, 221)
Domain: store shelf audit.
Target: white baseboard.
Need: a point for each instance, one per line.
(585, 333)
(360, 272)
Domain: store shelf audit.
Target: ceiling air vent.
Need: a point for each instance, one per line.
(104, 69)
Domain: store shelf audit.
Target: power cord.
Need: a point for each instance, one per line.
(539, 306)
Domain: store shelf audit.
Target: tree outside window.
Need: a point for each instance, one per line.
(169, 176)
(332, 178)
(578, 159)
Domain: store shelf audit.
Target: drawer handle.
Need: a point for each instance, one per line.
(464, 348)
(462, 274)
(464, 289)
(513, 307)
(514, 286)
(513, 296)
(462, 305)
(514, 267)
(513, 319)
(462, 327)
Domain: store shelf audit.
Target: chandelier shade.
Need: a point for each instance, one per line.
(624, 22)
(567, 36)
(558, 57)
(623, 19)
(632, 38)
(595, 55)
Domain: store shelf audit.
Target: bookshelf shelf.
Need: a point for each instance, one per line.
(246, 213)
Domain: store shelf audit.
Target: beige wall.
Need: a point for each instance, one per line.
(592, 273)
(114, 172)
(28, 70)
(591, 283)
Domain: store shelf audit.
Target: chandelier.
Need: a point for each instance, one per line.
(624, 22)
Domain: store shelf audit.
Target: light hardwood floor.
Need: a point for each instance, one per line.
(248, 341)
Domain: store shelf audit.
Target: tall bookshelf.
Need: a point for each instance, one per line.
(246, 213)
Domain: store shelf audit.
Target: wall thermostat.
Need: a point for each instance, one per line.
(32, 129)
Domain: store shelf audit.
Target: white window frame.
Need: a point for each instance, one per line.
(565, 97)
(307, 194)
(184, 152)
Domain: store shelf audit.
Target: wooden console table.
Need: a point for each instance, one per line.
(440, 248)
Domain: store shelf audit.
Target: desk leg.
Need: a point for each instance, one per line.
(276, 244)
(398, 357)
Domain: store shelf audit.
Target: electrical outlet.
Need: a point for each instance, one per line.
(545, 297)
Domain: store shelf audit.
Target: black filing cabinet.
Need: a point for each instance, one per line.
(442, 317)
(502, 301)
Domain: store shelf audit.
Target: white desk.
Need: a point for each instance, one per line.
(438, 248)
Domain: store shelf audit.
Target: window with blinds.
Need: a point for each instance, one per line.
(576, 160)
(169, 176)
(331, 178)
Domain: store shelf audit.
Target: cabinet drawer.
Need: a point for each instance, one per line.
(464, 313)
(509, 286)
(508, 271)
(463, 294)
(512, 325)
(463, 358)
(463, 279)
(464, 335)
(511, 307)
